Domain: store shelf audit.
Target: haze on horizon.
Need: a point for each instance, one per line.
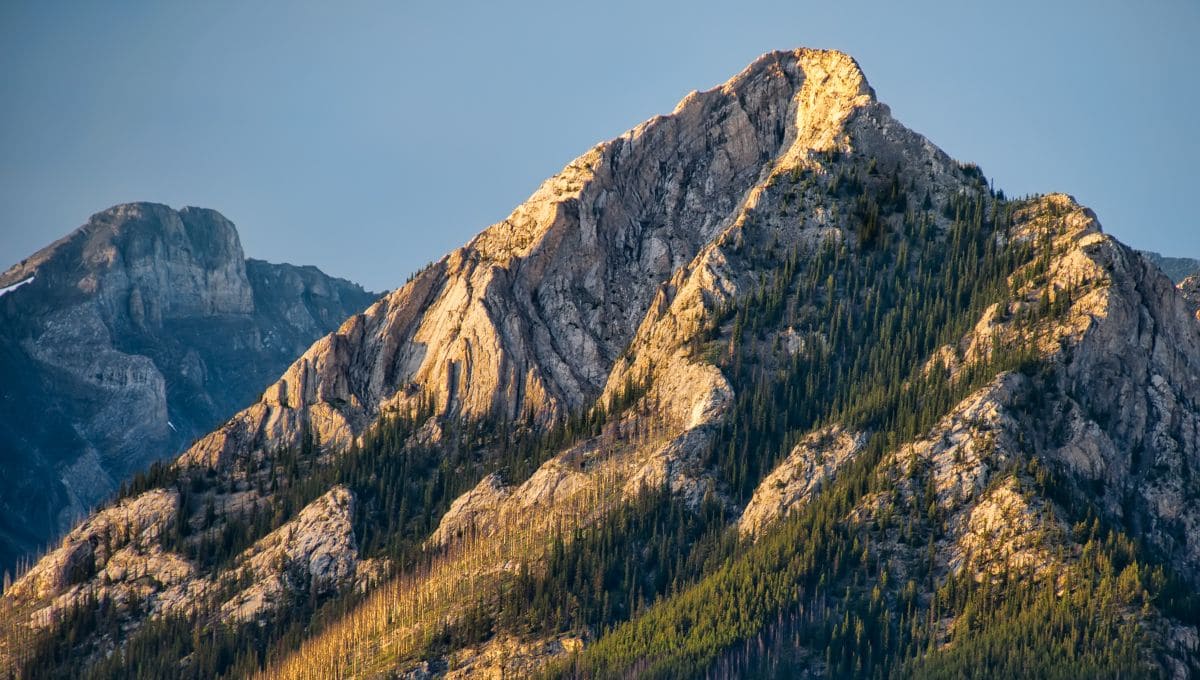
(369, 139)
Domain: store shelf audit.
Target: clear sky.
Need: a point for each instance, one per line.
(371, 137)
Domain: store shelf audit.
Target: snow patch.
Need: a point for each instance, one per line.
(8, 289)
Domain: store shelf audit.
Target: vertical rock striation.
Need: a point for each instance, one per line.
(127, 339)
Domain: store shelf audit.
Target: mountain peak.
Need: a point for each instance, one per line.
(831, 69)
(782, 107)
(775, 309)
(531, 316)
(127, 338)
(189, 261)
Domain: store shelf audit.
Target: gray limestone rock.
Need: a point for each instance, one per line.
(124, 341)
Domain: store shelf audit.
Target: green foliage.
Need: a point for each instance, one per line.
(402, 489)
(668, 590)
(870, 318)
(813, 594)
(1026, 628)
(601, 574)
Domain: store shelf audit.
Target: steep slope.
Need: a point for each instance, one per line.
(767, 386)
(125, 341)
(529, 317)
(1178, 268)
(1015, 507)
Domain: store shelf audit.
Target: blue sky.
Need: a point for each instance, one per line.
(371, 137)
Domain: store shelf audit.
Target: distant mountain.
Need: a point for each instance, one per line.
(126, 340)
(766, 387)
(1178, 268)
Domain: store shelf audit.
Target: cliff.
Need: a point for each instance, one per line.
(124, 341)
(769, 385)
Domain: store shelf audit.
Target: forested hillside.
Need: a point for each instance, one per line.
(768, 387)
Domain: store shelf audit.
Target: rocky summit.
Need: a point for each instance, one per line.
(126, 340)
(769, 386)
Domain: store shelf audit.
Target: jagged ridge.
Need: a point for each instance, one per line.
(126, 340)
(625, 270)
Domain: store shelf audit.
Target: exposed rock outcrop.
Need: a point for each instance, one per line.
(120, 545)
(127, 339)
(811, 464)
(117, 560)
(530, 317)
(313, 554)
(1190, 289)
(621, 272)
(499, 658)
(1177, 268)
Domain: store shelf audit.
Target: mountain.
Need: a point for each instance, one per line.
(126, 340)
(1178, 268)
(766, 387)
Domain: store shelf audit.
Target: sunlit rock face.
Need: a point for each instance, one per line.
(811, 464)
(127, 339)
(117, 557)
(1190, 289)
(530, 317)
(617, 272)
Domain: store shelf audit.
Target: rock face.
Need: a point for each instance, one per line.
(1117, 411)
(507, 658)
(1190, 289)
(87, 551)
(127, 339)
(799, 477)
(1178, 268)
(313, 554)
(1126, 399)
(530, 317)
(615, 290)
(117, 558)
